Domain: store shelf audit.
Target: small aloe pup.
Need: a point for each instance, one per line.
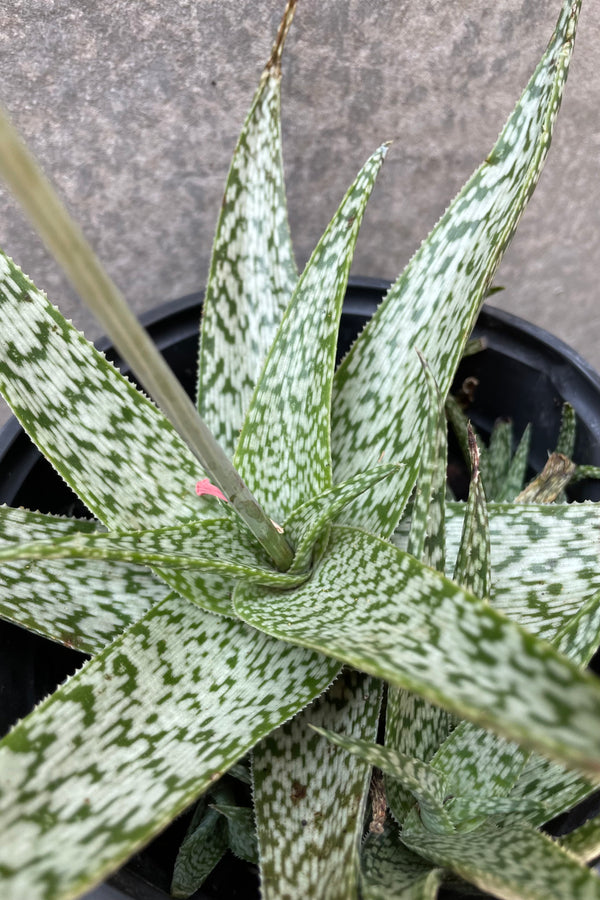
(260, 587)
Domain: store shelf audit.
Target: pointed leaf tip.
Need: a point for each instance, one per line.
(274, 64)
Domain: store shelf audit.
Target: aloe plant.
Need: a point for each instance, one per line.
(256, 580)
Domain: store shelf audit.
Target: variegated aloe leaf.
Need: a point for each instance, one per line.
(557, 788)
(378, 390)
(203, 846)
(392, 872)
(383, 612)
(252, 271)
(414, 727)
(284, 449)
(460, 423)
(130, 740)
(517, 470)
(308, 524)
(510, 863)
(584, 842)
(241, 830)
(220, 545)
(579, 637)
(427, 540)
(500, 454)
(472, 568)
(545, 559)
(482, 765)
(427, 785)
(310, 799)
(109, 442)
(565, 443)
(83, 604)
(479, 764)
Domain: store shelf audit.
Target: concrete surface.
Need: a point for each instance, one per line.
(133, 107)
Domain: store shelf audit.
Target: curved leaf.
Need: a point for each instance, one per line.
(378, 390)
(133, 738)
(380, 610)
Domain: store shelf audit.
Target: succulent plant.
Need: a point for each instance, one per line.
(271, 579)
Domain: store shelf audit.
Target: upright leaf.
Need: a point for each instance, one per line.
(472, 568)
(500, 454)
(427, 525)
(284, 449)
(252, 271)
(565, 443)
(378, 392)
(584, 842)
(517, 470)
(413, 726)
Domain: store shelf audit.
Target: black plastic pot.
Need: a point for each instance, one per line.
(525, 374)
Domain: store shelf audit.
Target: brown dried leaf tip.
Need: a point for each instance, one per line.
(473, 452)
(273, 66)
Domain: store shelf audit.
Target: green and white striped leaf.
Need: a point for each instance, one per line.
(380, 610)
(469, 813)
(241, 830)
(219, 545)
(479, 764)
(109, 442)
(378, 390)
(203, 846)
(284, 451)
(460, 425)
(392, 872)
(427, 785)
(472, 568)
(545, 559)
(310, 798)
(133, 738)
(510, 863)
(414, 727)
(515, 478)
(252, 271)
(579, 637)
(427, 539)
(500, 454)
(557, 788)
(584, 842)
(565, 443)
(81, 603)
(308, 524)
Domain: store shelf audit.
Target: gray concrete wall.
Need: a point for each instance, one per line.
(133, 107)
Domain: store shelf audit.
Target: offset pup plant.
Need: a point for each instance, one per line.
(265, 605)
